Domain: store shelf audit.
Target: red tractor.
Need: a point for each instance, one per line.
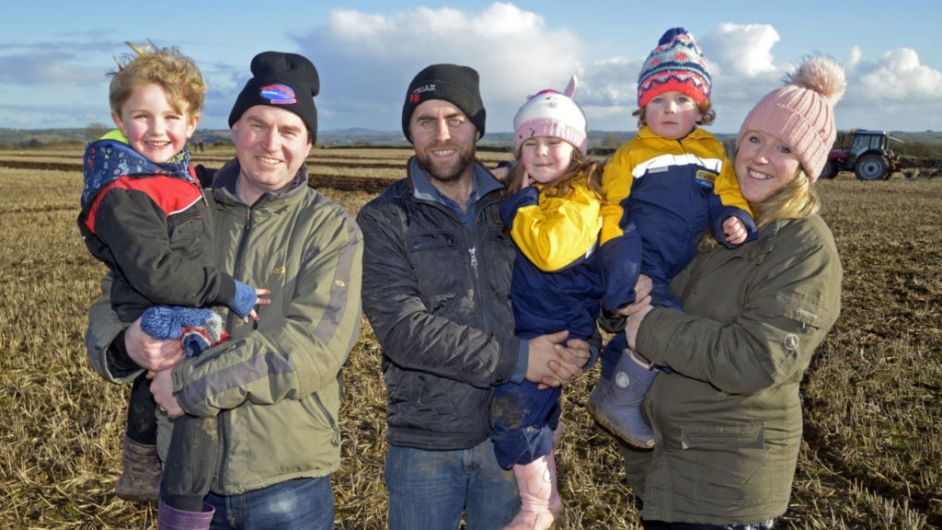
(868, 155)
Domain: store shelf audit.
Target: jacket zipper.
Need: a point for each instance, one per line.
(229, 322)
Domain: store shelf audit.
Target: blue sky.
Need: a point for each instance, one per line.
(54, 55)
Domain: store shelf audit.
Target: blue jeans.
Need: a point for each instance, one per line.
(304, 503)
(431, 489)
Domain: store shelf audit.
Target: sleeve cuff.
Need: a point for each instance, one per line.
(520, 368)
(119, 362)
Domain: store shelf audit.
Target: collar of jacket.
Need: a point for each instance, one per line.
(696, 134)
(226, 179)
(111, 158)
(423, 189)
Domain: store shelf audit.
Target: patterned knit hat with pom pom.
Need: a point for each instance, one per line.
(801, 113)
(675, 64)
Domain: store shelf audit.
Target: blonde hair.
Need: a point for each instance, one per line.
(707, 115)
(795, 200)
(176, 73)
(579, 168)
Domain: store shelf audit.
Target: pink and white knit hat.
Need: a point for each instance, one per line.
(801, 113)
(552, 113)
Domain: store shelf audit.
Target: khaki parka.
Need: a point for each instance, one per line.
(275, 385)
(728, 421)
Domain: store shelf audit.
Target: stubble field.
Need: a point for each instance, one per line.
(872, 451)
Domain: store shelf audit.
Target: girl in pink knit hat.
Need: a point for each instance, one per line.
(552, 213)
(728, 419)
(664, 189)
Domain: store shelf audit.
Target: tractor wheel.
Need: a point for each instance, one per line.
(870, 167)
(829, 170)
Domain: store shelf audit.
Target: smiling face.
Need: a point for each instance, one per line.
(764, 165)
(271, 145)
(545, 158)
(153, 127)
(671, 115)
(444, 140)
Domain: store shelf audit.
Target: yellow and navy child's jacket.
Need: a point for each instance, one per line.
(660, 197)
(557, 278)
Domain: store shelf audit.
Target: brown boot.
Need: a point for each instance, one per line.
(140, 478)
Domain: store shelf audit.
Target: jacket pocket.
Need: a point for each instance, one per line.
(319, 412)
(732, 465)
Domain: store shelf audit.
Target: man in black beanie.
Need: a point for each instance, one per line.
(436, 289)
(273, 388)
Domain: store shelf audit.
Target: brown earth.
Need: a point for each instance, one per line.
(872, 451)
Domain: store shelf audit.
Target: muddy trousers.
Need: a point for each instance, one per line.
(191, 462)
(523, 418)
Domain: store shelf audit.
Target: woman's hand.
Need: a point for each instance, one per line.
(636, 314)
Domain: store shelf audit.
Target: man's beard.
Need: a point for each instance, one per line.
(450, 173)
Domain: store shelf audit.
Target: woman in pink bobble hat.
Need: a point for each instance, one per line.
(727, 418)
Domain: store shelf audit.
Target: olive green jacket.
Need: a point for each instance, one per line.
(275, 385)
(727, 421)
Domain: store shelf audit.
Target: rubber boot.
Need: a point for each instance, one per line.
(170, 518)
(536, 484)
(140, 478)
(616, 403)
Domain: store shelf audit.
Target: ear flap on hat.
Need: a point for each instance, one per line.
(571, 87)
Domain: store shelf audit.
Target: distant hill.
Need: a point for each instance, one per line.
(606, 140)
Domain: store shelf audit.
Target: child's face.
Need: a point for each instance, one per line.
(545, 158)
(672, 115)
(154, 128)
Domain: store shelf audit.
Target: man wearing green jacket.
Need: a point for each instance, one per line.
(274, 387)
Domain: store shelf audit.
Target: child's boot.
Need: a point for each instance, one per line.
(140, 476)
(170, 518)
(539, 499)
(616, 402)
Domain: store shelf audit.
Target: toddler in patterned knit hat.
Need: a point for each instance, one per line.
(662, 189)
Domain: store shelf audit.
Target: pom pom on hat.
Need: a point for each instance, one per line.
(552, 113)
(677, 64)
(801, 113)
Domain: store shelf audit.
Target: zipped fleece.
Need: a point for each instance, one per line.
(275, 386)
(438, 296)
(558, 279)
(661, 196)
(727, 422)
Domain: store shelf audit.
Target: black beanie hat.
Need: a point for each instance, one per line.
(285, 80)
(456, 84)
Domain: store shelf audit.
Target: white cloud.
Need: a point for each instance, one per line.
(366, 60)
(897, 76)
(740, 50)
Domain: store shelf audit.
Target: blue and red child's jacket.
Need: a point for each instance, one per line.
(150, 224)
(661, 195)
(557, 278)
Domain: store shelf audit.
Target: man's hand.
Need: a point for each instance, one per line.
(161, 386)
(150, 353)
(572, 357)
(551, 363)
(734, 230)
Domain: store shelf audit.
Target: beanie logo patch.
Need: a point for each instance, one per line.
(278, 94)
